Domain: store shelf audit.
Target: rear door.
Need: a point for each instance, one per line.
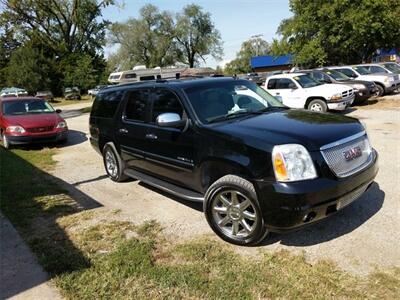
(169, 151)
(132, 129)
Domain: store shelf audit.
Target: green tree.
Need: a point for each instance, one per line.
(147, 40)
(196, 36)
(339, 31)
(57, 29)
(79, 71)
(248, 49)
(28, 68)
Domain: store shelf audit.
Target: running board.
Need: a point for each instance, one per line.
(165, 186)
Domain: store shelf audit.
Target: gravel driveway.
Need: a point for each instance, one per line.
(364, 235)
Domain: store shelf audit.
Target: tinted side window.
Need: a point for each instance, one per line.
(136, 105)
(317, 76)
(284, 83)
(106, 104)
(348, 72)
(272, 84)
(375, 69)
(165, 101)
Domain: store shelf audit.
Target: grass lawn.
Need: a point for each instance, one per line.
(93, 254)
(59, 101)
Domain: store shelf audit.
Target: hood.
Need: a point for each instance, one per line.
(34, 120)
(332, 88)
(310, 129)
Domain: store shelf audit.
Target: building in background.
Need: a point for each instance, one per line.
(269, 63)
(385, 56)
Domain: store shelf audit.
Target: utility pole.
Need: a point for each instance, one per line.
(257, 43)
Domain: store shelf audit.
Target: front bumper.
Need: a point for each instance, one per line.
(342, 105)
(31, 139)
(289, 206)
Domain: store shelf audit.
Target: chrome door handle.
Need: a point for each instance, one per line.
(151, 136)
(123, 130)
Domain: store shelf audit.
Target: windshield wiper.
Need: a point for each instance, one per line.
(230, 116)
(246, 113)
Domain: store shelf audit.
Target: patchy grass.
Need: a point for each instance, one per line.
(146, 266)
(86, 110)
(60, 101)
(88, 255)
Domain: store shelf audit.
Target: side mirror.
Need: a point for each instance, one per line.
(58, 111)
(170, 120)
(292, 86)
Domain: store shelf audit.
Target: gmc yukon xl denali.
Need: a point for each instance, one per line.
(256, 165)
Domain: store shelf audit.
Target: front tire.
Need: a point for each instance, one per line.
(381, 90)
(233, 212)
(6, 143)
(113, 164)
(317, 105)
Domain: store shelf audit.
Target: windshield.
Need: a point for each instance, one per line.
(337, 75)
(26, 107)
(392, 68)
(218, 100)
(362, 70)
(306, 81)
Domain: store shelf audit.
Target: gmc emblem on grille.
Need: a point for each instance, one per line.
(352, 153)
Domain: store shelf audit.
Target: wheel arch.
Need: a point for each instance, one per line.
(309, 99)
(212, 169)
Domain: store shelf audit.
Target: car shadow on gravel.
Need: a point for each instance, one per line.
(343, 222)
(191, 204)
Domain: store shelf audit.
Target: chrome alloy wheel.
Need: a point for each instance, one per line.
(111, 164)
(234, 214)
(316, 107)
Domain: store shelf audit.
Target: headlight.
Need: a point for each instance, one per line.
(15, 129)
(359, 86)
(387, 79)
(336, 97)
(61, 125)
(292, 162)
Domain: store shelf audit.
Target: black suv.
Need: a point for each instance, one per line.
(257, 166)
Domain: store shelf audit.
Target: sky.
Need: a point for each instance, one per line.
(236, 20)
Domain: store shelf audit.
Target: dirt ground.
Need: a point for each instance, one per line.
(360, 237)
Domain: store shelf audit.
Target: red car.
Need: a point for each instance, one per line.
(27, 120)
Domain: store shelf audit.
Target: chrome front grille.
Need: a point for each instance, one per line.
(347, 93)
(348, 156)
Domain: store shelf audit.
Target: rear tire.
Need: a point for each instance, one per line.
(233, 212)
(317, 105)
(113, 164)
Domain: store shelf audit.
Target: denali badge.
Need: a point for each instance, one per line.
(352, 153)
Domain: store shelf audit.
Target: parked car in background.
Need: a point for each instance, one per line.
(94, 91)
(13, 92)
(385, 83)
(72, 93)
(362, 89)
(26, 120)
(299, 90)
(254, 77)
(391, 66)
(45, 95)
(255, 165)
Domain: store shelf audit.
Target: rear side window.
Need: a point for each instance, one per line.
(165, 101)
(272, 84)
(284, 83)
(136, 105)
(106, 104)
(347, 72)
